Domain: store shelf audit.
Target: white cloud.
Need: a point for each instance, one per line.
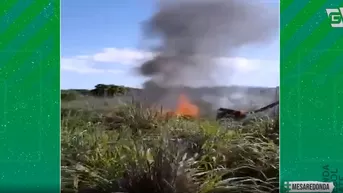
(245, 65)
(251, 70)
(134, 57)
(83, 66)
(84, 57)
(122, 56)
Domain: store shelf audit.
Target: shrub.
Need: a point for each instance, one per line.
(69, 96)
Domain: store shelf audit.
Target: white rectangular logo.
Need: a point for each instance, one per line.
(335, 16)
(308, 186)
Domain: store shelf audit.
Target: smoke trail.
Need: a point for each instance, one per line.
(194, 34)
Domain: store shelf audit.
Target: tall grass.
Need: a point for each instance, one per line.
(135, 150)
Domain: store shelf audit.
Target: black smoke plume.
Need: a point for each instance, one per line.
(193, 35)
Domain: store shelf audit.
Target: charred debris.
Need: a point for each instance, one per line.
(225, 113)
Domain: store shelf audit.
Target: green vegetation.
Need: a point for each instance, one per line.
(69, 95)
(100, 90)
(124, 148)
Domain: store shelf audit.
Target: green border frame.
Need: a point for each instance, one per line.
(30, 96)
(311, 96)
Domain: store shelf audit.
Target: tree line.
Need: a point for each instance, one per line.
(100, 90)
(110, 90)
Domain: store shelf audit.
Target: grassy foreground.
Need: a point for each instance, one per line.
(135, 150)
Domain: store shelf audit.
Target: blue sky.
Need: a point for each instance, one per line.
(101, 43)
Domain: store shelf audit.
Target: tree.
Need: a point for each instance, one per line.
(108, 90)
(99, 90)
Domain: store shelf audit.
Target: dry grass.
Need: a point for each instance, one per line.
(132, 150)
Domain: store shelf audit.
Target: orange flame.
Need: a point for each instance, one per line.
(185, 107)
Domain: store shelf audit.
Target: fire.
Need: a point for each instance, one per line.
(185, 107)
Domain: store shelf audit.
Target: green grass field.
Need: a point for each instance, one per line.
(124, 148)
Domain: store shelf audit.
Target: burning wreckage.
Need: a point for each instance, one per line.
(224, 113)
(186, 109)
